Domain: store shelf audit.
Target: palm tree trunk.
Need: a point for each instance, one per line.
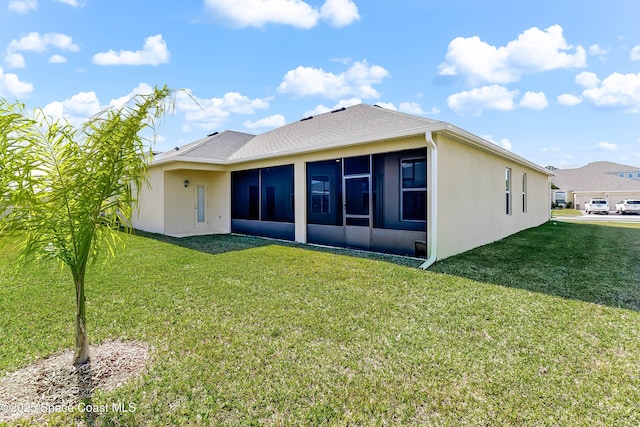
(81, 355)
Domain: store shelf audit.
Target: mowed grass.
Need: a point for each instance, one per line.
(541, 328)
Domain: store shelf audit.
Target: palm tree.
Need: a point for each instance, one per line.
(67, 189)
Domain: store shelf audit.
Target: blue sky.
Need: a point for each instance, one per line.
(557, 82)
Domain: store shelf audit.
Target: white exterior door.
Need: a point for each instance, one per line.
(200, 207)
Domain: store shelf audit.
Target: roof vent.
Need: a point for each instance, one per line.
(306, 118)
(338, 110)
(213, 134)
(177, 148)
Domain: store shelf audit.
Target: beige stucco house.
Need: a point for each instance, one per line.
(602, 180)
(363, 177)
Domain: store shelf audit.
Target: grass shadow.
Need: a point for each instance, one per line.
(221, 243)
(592, 263)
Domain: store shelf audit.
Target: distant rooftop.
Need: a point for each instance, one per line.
(597, 176)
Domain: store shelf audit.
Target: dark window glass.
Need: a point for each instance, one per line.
(356, 165)
(277, 194)
(507, 174)
(320, 194)
(414, 189)
(414, 173)
(414, 206)
(360, 222)
(254, 202)
(324, 187)
(357, 192)
(245, 196)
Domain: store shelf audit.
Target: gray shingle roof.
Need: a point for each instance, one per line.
(358, 122)
(596, 176)
(218, 147)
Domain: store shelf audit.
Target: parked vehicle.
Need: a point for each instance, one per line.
(628, 206)
(597, 206)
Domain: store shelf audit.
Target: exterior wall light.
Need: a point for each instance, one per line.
(186, 183)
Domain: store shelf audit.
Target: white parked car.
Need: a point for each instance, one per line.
(597, 206)
(627, 206)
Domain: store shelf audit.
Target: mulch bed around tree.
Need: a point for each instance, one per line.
(54, 384)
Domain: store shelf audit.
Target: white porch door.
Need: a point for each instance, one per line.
(200, 207)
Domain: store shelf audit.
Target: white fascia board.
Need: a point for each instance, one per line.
(417, 131)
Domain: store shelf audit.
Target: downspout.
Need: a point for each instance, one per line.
(432, 201)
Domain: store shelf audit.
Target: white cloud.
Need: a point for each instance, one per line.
(587, 79)
(76, 109)
(474, 101)
(388, 105)
(504, 142)
(618, 91)
(339, 13)
(607, 146)
(270, 122)
(36, 42)
(257, 13)
(320, 109)
(635, 53)
(533, 51)
(39, 43)
(154, 52)
(534, 101)
(14, 60)
(23, 6)
(83, 105)
(57, 59)
(358, 81)
(212, 113)
(11, 86)
(411, 108)
(297, 13)
(73, 3)
(596, 50)
(569, 100)
(141, 89)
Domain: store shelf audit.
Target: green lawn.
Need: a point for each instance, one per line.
(541, 328)
(565, 212)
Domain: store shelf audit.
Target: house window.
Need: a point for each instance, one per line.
(320, 194)
(324, 190)
(621, 175)
(560, 197)
(638, 175)
(263, 194)
(277, 193)
(524, 193)
(630, 175)
(414, 189)
(245, 195)
(508, 191)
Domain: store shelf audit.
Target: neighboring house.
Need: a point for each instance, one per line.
(363, 177)
(603, 180)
